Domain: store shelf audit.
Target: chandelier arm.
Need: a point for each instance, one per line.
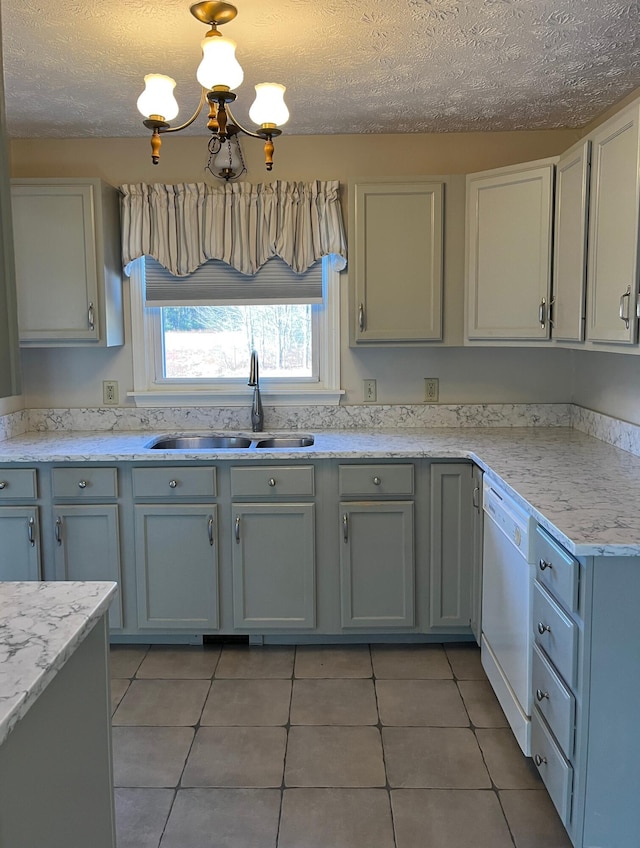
(240, 127)
(188, 123)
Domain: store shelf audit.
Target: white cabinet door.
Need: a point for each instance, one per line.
(612, 280)
(398, 261)
(509, 213)
(68, 265)
(570, 244)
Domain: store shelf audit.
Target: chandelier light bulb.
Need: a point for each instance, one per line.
(269, 106)
(157, 97)
(219, 66)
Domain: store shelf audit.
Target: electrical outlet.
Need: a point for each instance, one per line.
(431, 389)
(370, 393)
(110, 392)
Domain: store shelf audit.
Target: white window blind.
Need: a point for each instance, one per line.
(216, 283)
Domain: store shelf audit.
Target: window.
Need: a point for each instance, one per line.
(197, 353)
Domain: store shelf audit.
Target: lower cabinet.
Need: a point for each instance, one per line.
(19, 543)
(453, 557)
(176, 555)
(274, 565)
(88, 547)
(377, 564)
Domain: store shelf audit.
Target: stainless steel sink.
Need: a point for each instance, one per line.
(199, 442)
(285, 442)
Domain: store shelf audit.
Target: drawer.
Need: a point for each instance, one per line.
(556, 703)
(382, 480)
(18, 483)
(174, 482)
(555, 633)
(555, 770)
(84, 483)
(556, 569)
(272, 481)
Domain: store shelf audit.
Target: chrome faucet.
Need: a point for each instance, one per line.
(257, 415)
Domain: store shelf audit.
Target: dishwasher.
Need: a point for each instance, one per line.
(507, 581)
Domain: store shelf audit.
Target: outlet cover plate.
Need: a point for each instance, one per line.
(370, 392)
(110, 394)
(431, 389)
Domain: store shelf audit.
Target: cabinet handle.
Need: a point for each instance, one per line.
(272, 481)
(538, 760)
(625, 316)
(476, 497)
(210, 529)
(82, 484)
(238, 529)
(543, 564)
(173, 484)
(3, 484)
(59, 530)
(543, 628)
(345, 526)
(361, 317)
(91, 317)
(377, 481)
(540, 695)
(30, 536)
(542, 313)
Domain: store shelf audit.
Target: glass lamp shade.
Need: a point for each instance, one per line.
(157, 97)
(229, 156)
(219, 65)
(269, 106)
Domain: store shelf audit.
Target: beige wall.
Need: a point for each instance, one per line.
(68, 377)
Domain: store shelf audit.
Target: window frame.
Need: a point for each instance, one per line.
(151, 388)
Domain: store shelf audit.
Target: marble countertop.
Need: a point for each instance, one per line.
(41, 625)
(584, 491)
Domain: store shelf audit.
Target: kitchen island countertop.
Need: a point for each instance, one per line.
(584, 491)
(41, 626)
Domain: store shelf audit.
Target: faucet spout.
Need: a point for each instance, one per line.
(257, 414)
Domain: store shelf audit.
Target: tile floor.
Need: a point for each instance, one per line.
(318, 747)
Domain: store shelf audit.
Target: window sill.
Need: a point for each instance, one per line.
(198, 397)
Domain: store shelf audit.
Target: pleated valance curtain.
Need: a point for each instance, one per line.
(183, 226)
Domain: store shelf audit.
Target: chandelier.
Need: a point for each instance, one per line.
(219, 73)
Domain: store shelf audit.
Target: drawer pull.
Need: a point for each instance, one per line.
(272, 481)
(345, 527)
(3, 484)
(59, 530)
(543, 628)
(540, 695)
(210, 529)
(376, 481)
(82, 484)
(237, 530)
(543, 564)
(30, 536)
(539, 761)
(173, 484)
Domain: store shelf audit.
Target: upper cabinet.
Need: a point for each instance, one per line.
(68, 262)
(508, 263)
(570, 243)
(397, 262)
(612, 263)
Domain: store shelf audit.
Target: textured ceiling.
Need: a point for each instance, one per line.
(74, 68)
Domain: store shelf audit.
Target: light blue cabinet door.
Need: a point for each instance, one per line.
(377, 567)
(177, 567)
(87, 547)
(19, 543)
(452, 559)
(274, 566)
